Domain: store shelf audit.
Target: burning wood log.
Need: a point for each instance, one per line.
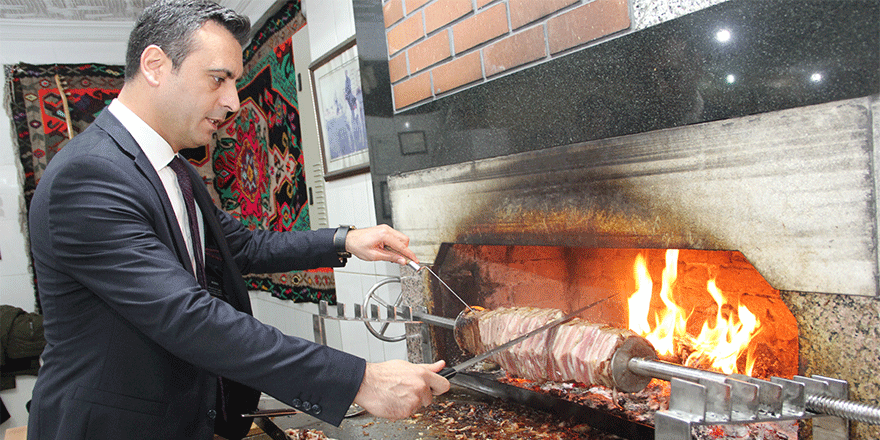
(577, 351)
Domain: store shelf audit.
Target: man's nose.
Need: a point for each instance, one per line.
(229, 98)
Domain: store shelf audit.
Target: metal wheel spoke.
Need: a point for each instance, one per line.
(380, 301)
(399, 300)
(383, 329)
(372, 296)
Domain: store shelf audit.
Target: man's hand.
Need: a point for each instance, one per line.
(379, 243)
(396, 389)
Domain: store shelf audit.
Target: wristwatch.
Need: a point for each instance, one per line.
(339, 242)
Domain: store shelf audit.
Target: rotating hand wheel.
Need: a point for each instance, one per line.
(373, 297)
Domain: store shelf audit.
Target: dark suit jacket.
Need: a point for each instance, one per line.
(134, 344)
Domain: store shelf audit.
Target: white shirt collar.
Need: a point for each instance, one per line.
(156, 148)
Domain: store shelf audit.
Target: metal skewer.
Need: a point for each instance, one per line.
(416, 267)
(444, 285)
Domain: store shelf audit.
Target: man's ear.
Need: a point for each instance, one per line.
(154, 64)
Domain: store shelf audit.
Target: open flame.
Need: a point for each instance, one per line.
(719, 344)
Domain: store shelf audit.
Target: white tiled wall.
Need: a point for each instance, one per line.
(350, 201)
(17, 288)
(331, 22)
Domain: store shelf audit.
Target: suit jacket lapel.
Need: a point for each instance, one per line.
(126, 142)
(234, 288)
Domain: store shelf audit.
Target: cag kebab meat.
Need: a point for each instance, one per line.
(577, 350)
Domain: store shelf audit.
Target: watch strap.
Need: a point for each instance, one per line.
(339, 241)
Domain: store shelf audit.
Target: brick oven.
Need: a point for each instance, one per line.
(534, 151)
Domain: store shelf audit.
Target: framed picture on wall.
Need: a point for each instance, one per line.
(339, 103)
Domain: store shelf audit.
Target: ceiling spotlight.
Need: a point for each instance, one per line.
(723, 35)
(731, 79)
(816, 77)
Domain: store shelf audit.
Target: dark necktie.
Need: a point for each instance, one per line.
(186, 188)
(185, 183)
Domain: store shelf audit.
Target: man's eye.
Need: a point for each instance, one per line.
(219, 79)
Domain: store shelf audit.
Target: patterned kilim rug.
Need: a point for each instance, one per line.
(255, 167)
(37, 109)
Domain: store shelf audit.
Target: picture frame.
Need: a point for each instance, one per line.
(339, 105)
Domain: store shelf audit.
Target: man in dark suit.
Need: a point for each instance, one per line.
(147, 318)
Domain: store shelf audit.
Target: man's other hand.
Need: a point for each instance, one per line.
(396, 389)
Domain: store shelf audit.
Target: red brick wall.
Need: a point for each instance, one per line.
(436, 47)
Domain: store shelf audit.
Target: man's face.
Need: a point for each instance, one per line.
(200, 93)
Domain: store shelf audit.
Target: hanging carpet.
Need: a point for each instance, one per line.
(255, 168)
(36, 107)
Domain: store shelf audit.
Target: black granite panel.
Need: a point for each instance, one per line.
(780, 54)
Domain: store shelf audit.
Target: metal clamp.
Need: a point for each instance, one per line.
(740, 399)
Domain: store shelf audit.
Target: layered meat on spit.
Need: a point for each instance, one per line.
(576, 351)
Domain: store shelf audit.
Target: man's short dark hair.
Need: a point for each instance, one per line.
(171, 24)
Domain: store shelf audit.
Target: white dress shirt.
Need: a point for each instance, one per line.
(160, 153)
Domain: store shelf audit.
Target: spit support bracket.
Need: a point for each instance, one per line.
(738, 399)
(375, 315)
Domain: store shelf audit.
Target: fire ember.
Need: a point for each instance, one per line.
(640, 407)
(468, 420)
(727, 328)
